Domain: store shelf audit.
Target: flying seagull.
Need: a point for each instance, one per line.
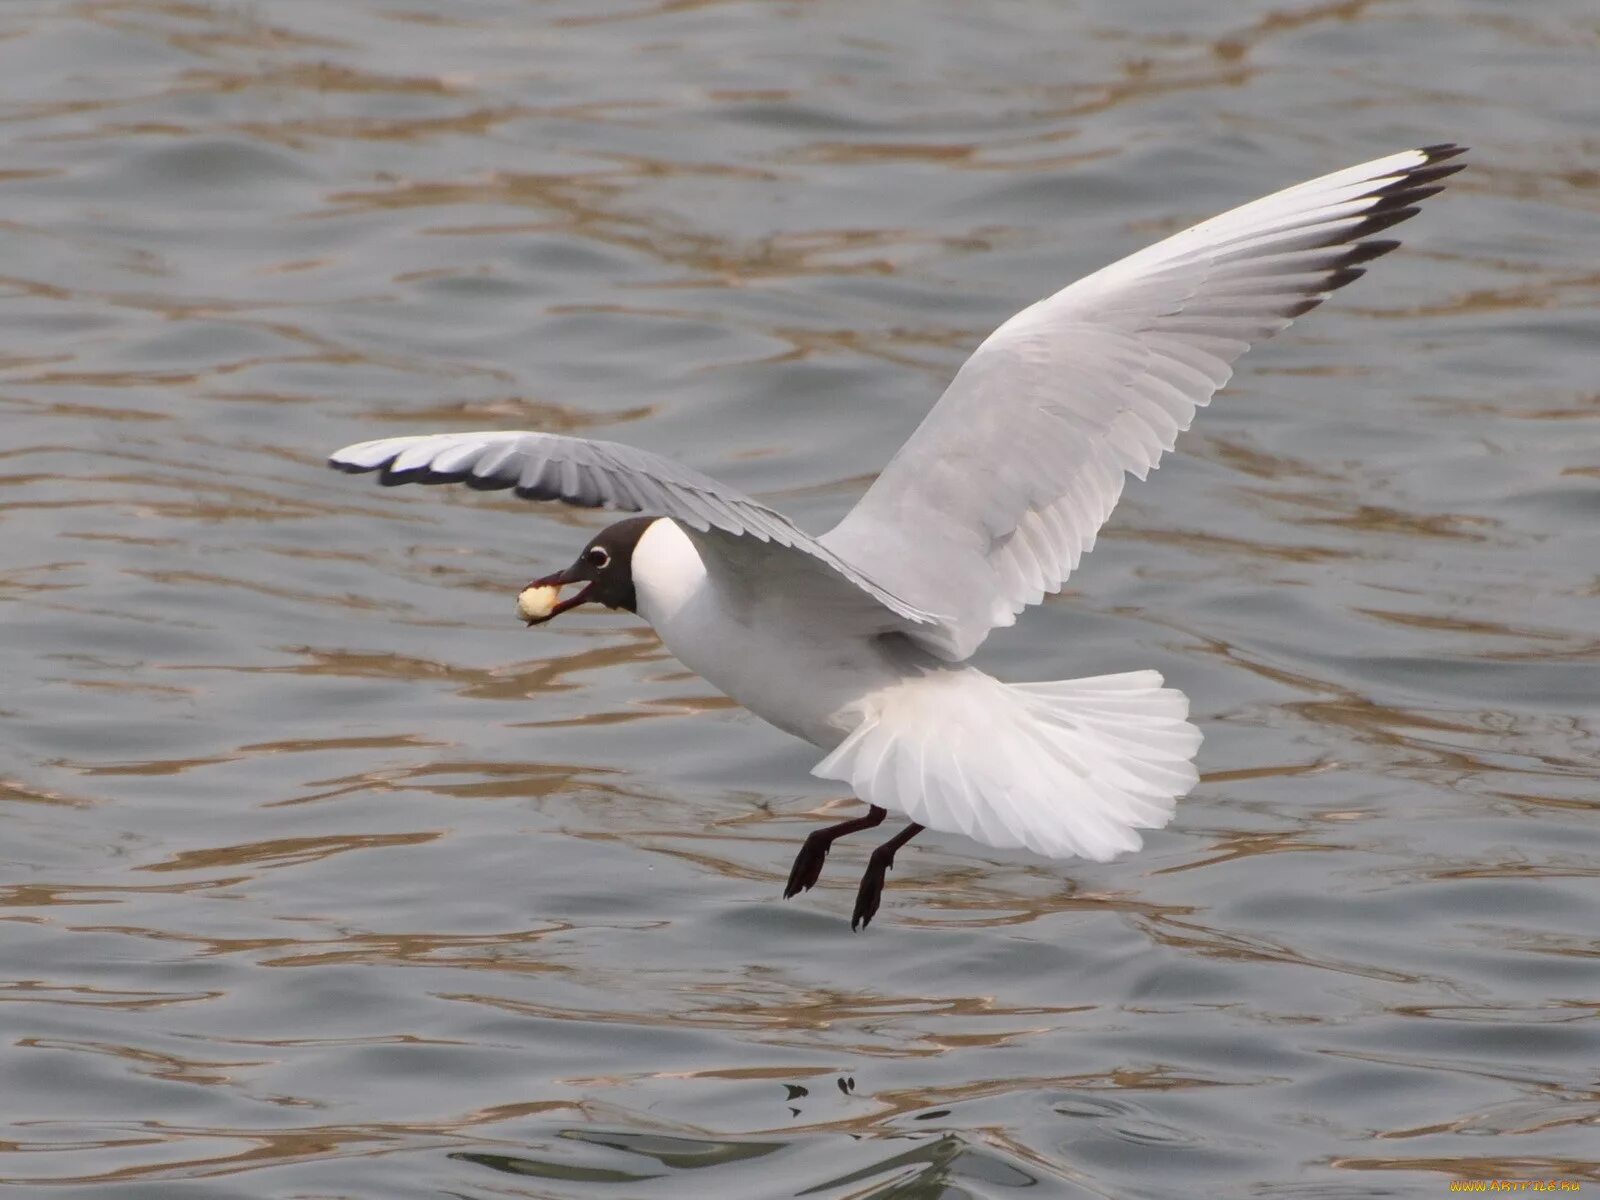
(857, 641)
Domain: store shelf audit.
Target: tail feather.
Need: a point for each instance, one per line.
(1069, 767)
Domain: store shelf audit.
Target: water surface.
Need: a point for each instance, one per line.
(322, 878)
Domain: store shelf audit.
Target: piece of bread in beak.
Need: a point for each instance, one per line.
(536, 603)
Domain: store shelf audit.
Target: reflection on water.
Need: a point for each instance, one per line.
(323, 877)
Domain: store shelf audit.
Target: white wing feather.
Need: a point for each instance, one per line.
(1002, 488)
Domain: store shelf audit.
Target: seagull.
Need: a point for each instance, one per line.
(858, 640)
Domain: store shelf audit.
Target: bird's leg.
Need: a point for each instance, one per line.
(808, 863)
(872, 882)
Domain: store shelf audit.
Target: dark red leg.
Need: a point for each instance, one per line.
(808, 863)
(872, 882)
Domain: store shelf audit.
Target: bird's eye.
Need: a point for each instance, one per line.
(597, 556)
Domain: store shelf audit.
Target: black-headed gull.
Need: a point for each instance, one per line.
(857, 641)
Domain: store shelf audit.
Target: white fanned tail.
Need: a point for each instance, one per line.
(1070, 768)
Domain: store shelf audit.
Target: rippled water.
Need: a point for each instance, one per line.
(322, 878)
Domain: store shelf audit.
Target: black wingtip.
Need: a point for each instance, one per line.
(1397, 200)
(1367, 251)
(1394, 202)
(1417, 182)
(1342, 276)
(1407, 194)
(1380, 219)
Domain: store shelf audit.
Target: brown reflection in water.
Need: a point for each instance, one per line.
(889, 345)
(120, 539)
(1212, 545)
(22, 991)
(646, 12)
(93, 412)
(1511, 737)
(316, 76)
(1577, 648)
(1391, 728)
(24, 793)
(502, 953)
(1556, 1012)
(1514, 868)
(767, 1004)
(1278, 771)
(302, 133)
(170, 1067)
(364, 1039)
(988, 154)
(489, 780)
(1192, 937)
(314, 745)
(705, 860)
(642, 710)
(1570, 293)
(1289, 20)
(1587, 408)
(177, 766)
(771, 1011)
(1251, 460)
(543, 415)
(1376, 518)
(1532, 802)
(1509, 740)
(312, 347)
(207, 499)
(519, 681)
(41, 895)
(969, 891)
(588, 206)
(884, 345)
(1560, 945)
(1233, 846)
(1457, 624)
(280, 852)
(126, 687)
(12, 583)
(1138, 78)
(201, 29)
(208, 579)
(267, 1148)
(155, 766)
(1332, 500)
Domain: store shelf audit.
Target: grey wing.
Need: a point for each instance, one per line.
(1001, 490)
(733, 528)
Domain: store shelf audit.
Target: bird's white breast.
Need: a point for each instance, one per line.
(788, 670)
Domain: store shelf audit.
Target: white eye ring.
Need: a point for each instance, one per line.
(598, 556)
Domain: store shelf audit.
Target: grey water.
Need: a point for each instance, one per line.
(321, 877)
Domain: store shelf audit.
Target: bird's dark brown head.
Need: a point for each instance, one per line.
(604, 568)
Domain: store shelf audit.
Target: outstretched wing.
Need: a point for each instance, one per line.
(1000, 491)
(745, 535)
